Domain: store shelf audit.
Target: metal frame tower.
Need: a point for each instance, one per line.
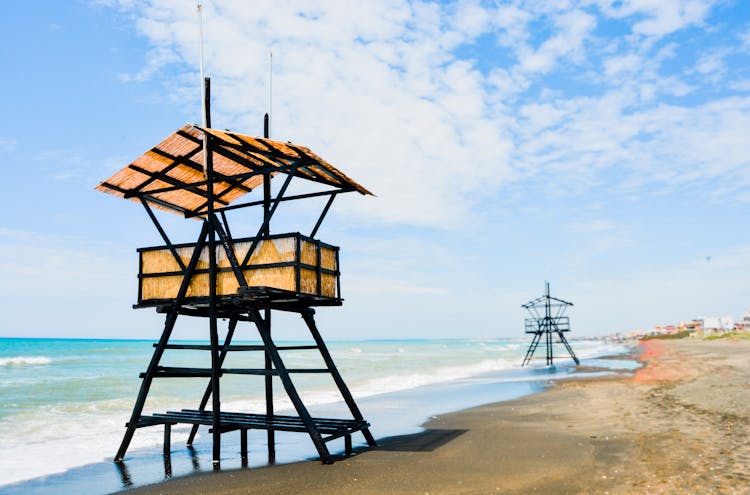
(544, 325)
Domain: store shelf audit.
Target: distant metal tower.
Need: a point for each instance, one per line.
(546, 325)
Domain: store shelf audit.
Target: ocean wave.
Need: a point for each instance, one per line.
(401, 381)
(25, 361)
(49, 432)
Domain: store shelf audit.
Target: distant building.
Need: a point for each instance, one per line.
(745, 323)
(716, 324)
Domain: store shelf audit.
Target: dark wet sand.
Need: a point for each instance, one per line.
(679, 425)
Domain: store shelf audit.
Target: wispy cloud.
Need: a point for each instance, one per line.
(7, 144)
(660, 18)
(33, 262)
(379, 89)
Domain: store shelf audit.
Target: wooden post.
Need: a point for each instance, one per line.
(214, 331)
(243, 446)
(268, 364)
(271, 434)
(167, 439)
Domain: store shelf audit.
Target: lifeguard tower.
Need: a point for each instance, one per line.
(546, 321)
(199, 173)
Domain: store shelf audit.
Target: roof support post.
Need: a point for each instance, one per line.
(226, 224)
(162, 233)
(268, 363)
(323, 215)
(229, 250)
(266, 187)
(266, 221)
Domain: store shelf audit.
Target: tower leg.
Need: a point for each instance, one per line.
(170, 320)
(567, 346)
(271, 434)
(169, 323)
(550, 356)
(532, 348)
(215, 393)
(291, 391)
(343, 389)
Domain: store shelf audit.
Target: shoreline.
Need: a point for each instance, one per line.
(677, 425)
(399, 412)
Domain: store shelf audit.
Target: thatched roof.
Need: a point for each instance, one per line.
(170, 175)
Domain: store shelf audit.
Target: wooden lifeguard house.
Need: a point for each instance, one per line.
(200, 173)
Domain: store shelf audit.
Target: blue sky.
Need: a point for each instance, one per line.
(601, 145)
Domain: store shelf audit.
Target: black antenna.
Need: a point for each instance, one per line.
(547, 325)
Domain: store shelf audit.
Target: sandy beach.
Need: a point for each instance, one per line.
(678, 425)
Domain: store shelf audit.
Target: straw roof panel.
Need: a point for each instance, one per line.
(171, 174)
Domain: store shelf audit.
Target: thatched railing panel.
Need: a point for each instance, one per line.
(276, 263)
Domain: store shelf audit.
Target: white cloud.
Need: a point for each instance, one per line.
(377, 89)
(573, 28)
(7, 144)
(660, 18)
(33, 263)
(373, 88)
(667, 145)
(470, 18)
(89, 288)
(666, 295)
(741, 85)
(155, 60)
(511, 23)
(712, 66)
(593, 226)
(745, 38)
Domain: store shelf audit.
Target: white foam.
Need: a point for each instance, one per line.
(25, 361)
(398, 382)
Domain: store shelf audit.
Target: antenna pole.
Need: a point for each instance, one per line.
(202, 71)
(267, 132)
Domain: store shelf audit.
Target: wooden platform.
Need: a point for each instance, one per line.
(245, 298)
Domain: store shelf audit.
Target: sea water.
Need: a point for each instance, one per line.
(64, 402)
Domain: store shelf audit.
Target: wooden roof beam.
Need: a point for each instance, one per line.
(170, 180)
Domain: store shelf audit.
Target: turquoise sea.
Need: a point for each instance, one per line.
(64, 403)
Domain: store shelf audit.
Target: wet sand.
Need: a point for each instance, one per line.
(681, 424)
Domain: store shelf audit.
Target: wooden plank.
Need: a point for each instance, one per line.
(202, 347)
